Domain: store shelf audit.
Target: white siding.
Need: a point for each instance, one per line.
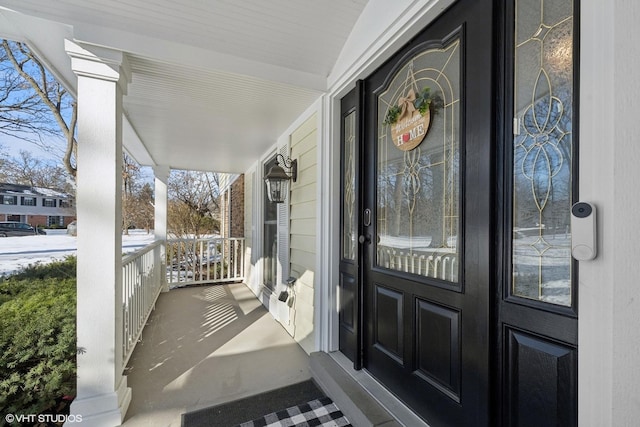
(303, 231)
(609, 297)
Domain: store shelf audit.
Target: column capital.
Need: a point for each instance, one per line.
(161, 172)
(99, 63)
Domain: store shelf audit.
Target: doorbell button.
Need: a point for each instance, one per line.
(581, 209)
(583, 231)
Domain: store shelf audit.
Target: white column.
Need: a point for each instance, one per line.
(161, 174)
(102, 393)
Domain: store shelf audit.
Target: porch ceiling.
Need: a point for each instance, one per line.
(214, 83)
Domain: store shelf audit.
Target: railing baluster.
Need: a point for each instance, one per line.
(140, 290)
(205, 260)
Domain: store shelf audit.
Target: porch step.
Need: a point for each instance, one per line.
(360, 408)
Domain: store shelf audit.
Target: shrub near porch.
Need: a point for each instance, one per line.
(37, 338)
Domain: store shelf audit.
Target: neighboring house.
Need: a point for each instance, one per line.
(231, 205)
(37, 206)
(439, 271)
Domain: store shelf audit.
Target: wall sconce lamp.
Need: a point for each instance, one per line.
(277, 179)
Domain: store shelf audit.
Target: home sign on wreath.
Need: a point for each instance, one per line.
(410, 117)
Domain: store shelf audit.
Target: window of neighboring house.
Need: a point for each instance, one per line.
(54, 220)
(28, 201)
(8, 200)
(49, 203)
(65, 204)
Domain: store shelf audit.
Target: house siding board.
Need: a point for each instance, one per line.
(302, 229)
(303, 193)
(305, 129)
(303, 261)
(304, 210)
(308, 174)
(303, 243)
(304, 295)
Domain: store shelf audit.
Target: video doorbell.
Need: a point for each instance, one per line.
(583, 231)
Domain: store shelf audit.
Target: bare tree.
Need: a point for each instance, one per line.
(130, 177)
(3, 165)
(28, 170)
(33, 105)
(143, 213)
(193, 205)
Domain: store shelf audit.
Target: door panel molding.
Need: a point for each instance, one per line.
(537, 363)
(438, 347)
(389, 330)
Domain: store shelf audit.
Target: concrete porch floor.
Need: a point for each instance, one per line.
(204, 346)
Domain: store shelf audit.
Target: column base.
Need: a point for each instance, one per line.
(107, 410)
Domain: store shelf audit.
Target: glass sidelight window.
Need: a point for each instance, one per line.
(270, 236)
(350, 230)
(543, 150)
(418, 166)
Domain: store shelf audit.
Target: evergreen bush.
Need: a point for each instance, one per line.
(37, 337)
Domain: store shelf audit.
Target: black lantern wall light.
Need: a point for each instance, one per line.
(277, 179)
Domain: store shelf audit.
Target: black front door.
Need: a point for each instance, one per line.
(427, 249)
(457, 286)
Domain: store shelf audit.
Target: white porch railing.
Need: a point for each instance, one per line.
(206, 260)
(141, 285)
(438, 264)
(190, 261)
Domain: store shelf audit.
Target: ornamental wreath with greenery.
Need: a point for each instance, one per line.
(423, 102)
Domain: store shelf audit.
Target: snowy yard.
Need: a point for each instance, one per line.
(19, 252)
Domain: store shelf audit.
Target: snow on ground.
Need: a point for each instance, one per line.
(19, 252)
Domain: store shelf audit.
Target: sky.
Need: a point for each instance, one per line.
(12, 146)
(53, 156)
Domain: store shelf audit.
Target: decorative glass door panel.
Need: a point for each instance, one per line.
(418, 166)
(542, 150)
(349, 230)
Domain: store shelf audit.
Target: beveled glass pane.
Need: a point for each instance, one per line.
(349, 230)
(418, 183)
(542, 158)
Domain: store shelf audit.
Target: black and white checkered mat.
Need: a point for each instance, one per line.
(320, 412)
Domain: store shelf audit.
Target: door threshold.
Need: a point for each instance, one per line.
(363, 400)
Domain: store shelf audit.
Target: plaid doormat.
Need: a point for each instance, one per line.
(320, 412)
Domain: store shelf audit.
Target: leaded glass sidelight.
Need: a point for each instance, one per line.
(418, 166)
(542, 150)
(349, 226)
